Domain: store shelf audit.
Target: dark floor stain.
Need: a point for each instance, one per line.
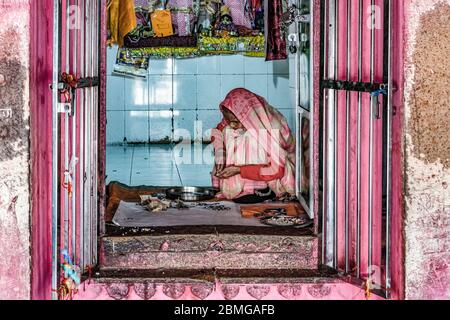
(13, 127)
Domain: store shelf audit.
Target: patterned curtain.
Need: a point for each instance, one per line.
(275, 43)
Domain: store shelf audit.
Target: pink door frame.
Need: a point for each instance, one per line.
(41, 132)
(41, 68)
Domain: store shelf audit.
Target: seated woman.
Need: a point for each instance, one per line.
(254, 150)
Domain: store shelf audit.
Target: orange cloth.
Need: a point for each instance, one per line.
(162, 23)
(292, 209)
(121, 20)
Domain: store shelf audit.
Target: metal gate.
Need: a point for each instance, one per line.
(75, 141)
(355, 143)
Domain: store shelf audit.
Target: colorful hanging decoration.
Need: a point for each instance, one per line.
(225, 26)
(257, 10)
(208, 15)
(368, 288)
(150, 5)
(135, 61)
(231, 27)
(70, 82)
(184, 16)
(67, 184)
(68, 176)
(66, 290)
(239, 12)
(144, 25)
(71, 271)
(249, 46)
(131, 62)
(70, 278)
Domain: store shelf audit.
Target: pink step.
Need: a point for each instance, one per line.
(210, 251)
(165, 287)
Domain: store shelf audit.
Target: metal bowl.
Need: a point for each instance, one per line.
(191, 194)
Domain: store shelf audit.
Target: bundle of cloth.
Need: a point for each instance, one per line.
(121, 20)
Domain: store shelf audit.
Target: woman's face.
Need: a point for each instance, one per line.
(234, 122)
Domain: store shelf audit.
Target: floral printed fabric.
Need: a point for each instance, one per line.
(240, 15)
(252, 46)
(135, 61)
(183, 17)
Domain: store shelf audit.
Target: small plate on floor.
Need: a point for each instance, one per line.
(270, 213)
(287, 221)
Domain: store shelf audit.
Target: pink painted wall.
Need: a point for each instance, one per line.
(14, 150)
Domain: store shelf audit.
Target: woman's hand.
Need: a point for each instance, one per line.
(220, 159)
(228, 172)
(219, 168)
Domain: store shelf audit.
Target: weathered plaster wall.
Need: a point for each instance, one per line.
(427, 149)
(14, 150)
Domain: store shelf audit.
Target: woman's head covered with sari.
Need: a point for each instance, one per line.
(269, 141)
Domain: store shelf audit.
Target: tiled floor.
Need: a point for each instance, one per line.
(160, 165)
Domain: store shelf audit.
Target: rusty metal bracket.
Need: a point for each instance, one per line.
(65, 107)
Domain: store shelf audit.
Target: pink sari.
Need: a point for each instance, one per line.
(267, 144)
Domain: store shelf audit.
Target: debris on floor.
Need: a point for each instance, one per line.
(286, 221)
(213, 206)
(154, 204)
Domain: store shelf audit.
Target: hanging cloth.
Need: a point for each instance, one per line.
(121, 20)
(275, 43)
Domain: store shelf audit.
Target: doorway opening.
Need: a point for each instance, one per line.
(152, 131)
(163, 104)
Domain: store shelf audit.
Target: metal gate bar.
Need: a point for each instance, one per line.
(387, 139)
(358, 152)
(353, 205)
(347, 143)
(75, 134)
(55, 149)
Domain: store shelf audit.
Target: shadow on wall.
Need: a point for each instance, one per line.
(13, 125)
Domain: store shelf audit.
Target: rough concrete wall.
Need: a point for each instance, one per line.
(14, 150)
(427, 143)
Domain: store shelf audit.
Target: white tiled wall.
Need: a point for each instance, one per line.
(178, 92)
